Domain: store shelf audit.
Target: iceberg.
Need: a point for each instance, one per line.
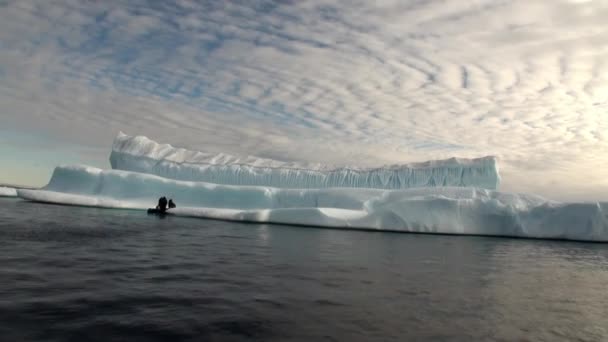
(140, 154)
(447, 210)
(7, 192)
(452, 196)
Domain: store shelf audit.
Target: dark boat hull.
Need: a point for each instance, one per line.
(154, 211)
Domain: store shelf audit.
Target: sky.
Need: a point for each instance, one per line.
(350, 82)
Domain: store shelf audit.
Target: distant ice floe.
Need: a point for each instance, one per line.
(449, 210)
(7, 192)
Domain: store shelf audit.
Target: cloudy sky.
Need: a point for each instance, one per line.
(339, 82)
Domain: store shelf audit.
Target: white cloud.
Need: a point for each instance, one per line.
(331, 81)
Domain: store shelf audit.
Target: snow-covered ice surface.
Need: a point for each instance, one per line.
(140, 154)
(7, 192)
(450, 210)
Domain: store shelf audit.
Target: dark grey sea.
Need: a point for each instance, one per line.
(86, 274)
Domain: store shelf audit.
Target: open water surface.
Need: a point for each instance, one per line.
(86, 274)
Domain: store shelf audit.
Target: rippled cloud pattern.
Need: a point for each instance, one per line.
(339, 82)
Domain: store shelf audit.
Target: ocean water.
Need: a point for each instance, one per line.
(86, 274)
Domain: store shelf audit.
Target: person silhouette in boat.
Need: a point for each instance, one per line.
(171, 203)
(162, 204)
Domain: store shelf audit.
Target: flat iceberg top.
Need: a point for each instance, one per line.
(141, 154)
(141, 146)
(7, 192)
(449, 210)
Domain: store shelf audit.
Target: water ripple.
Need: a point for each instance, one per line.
(68, 275)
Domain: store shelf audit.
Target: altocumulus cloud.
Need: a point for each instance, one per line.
(340, 82)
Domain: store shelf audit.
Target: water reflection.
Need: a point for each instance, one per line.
(201, 279)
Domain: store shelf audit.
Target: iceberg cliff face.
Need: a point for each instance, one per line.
(448, 210)
(7, 192)
(140, 154)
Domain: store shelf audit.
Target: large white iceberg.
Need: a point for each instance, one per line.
(450, 210)
(140, 154)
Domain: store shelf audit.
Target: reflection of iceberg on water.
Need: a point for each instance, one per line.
(454, 196)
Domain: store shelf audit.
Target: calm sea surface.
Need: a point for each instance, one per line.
(85, 274)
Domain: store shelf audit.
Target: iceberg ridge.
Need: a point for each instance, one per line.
(140, 154)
